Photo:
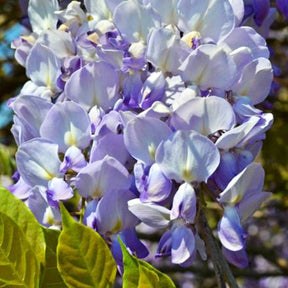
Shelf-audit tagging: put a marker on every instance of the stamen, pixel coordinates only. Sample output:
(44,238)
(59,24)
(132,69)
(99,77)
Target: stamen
(192,39)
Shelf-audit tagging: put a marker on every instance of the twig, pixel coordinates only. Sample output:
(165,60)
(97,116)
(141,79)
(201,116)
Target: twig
(208,273)
(222,269)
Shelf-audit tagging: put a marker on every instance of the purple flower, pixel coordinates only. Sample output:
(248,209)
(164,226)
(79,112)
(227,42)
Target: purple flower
(240,199)
(94,180)
(37,161)
(142,135)
(101,83)
(73,126)
(153,186)
(187,156)
(179,241)
(148,108)
(58,190)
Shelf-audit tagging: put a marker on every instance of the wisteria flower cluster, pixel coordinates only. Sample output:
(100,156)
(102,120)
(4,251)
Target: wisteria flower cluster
(142,107)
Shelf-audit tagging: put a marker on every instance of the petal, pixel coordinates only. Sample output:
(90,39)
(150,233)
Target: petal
(59,190)
(244,158)
(157,110)
(204,115)
(250,203)
(151,214)
(261,10)
(212,67)
(164,245)
(30,88)
(141,20)
(230,231)
(237,258)
(112,4)
(265,121)
(94,180)
(158,186)
(43,67)
(89,214)
(73,12)
(258,73)
(73,126)
(282,6)
(111,122)
(238,9)
(98,9)
(37,161)
(153,89)
(60,42)
(212,18)
(101,83)
(41,14)
(165,50)
(121,218)
(45,214)
(134,244)
(167,10)
(188,156)
(250,180)
(183,245)
(20,189)
(31,111)
(184,203)
(140,176)
(73,159)
(233,137)
(249,38)
(142,137)
(110,144)
(226,170)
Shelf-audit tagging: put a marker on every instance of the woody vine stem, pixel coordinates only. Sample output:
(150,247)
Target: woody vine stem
(223,272)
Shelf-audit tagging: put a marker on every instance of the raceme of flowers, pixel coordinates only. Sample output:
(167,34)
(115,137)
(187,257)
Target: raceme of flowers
(135,105)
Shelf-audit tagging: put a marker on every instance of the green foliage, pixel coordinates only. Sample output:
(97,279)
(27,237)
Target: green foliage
(138,273)
(19,265)
(274,154)
(50,274)
(25,219)
(6,162)
(84,259)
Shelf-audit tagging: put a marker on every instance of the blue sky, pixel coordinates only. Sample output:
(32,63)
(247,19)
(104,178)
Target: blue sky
(9,36)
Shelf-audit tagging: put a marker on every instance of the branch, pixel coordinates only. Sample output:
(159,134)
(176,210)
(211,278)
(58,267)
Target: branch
(222,269)
(208,273)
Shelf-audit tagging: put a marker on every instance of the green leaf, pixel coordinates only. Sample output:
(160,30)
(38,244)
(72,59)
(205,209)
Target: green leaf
(50,275)
(25,219)
(138,273)
(148,278)
(84,259)
(18,264)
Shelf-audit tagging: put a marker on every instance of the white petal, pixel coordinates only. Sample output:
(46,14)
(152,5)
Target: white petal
(187,156)
(41,14)
(151,214)
(37,161)
(250,179)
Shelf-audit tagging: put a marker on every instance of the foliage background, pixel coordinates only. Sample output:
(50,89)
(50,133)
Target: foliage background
(268,230)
